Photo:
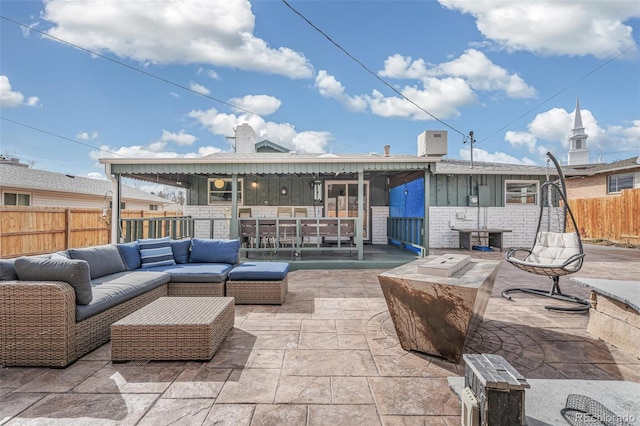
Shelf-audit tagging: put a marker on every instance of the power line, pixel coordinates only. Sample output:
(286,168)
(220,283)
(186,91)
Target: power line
(58,136)
(131,67)
(368,69)
(564,89)
(149,74)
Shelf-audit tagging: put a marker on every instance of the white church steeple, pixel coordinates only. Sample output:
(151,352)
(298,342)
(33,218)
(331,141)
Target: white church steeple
(578,151)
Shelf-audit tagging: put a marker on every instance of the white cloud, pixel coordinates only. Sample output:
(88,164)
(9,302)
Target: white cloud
(495,157)
(181,138)
(398,66)
(441,97)
(281,133)
(551,27)
(209,73)
(473,66)
(151,150)
(96,175)
(199,88)
(85,136)
(259,104)
(441,89)
(329,87)
(551,130)
(215,32)
(10,98)
(482,74)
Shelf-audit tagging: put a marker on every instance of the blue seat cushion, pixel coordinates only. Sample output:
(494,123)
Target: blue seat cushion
(259,271)
(195,272)
(111,290)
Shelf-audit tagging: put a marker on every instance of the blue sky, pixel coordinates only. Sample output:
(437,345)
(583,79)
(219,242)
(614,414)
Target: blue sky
(508,70)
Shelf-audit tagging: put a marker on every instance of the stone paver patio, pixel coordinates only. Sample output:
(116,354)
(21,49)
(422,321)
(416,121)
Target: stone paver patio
(327,356)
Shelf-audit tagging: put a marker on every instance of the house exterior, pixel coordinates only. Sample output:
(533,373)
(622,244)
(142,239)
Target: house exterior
(23,186)
(602,180)
(426,191)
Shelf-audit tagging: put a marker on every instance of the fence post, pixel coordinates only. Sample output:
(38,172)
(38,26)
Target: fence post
(67,228)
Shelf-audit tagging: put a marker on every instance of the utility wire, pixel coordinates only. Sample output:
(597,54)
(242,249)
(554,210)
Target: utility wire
(141,71)
(59,136)
(131,67)
(369,70)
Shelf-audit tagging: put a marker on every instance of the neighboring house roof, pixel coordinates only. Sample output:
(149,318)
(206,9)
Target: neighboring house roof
(32,179)
(632,163)
(268,146)
(463,167)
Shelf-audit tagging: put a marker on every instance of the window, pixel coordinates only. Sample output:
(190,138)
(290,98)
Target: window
(16,199)
(521,192)
(153,207)
(616,183)
(220,190)
(122,205)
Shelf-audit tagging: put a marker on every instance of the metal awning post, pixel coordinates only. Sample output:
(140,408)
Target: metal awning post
(233,224)
(360,222)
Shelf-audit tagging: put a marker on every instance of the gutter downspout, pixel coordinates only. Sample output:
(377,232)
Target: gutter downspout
(360,223)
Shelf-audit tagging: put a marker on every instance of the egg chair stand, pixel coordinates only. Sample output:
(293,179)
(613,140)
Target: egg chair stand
(555,252)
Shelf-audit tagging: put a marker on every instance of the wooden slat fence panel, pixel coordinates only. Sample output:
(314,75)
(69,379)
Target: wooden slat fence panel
(612,218)
(36,230)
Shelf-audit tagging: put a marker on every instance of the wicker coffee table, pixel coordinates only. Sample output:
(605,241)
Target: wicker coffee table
(173,328)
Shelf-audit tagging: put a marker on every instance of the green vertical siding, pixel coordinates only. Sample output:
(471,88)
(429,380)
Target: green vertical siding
(454,190)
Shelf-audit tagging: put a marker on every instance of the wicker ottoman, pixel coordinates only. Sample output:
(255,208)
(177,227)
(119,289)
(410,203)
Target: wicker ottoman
(258,283)
(173,328)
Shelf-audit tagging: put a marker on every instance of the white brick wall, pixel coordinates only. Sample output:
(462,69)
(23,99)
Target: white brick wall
(379,216)
(522,220)
(202,228)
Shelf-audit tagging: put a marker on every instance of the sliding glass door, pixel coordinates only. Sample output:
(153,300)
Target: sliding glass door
(341,200)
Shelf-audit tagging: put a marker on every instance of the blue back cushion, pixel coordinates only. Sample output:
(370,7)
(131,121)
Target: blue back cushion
(103,260)
(72,271)
(131,255)
(214,251)
(180,250)
(156,252)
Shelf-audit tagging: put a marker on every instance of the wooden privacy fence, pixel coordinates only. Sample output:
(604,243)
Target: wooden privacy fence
(612,218)
(37,230)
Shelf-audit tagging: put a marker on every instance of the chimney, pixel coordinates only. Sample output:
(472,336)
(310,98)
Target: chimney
(245,139)
(386,150)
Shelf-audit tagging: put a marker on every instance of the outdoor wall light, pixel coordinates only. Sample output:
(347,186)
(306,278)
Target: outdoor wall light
(317,190)
(218,183)
(284,190)
(254,184)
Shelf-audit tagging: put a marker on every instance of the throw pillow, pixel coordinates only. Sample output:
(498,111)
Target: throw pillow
(73,271)
(7,270)
(156,252)
(214,251)
(103,260)
(180,250)
(130,255)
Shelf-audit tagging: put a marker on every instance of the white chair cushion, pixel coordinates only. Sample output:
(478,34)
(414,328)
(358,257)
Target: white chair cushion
(554,248)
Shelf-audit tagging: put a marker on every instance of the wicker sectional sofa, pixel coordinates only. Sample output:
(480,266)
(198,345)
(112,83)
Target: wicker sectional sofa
(56,308)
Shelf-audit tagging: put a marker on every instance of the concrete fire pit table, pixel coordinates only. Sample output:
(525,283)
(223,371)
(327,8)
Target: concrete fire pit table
(436,303)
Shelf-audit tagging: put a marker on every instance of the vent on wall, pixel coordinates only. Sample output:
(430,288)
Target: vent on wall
(470,409)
